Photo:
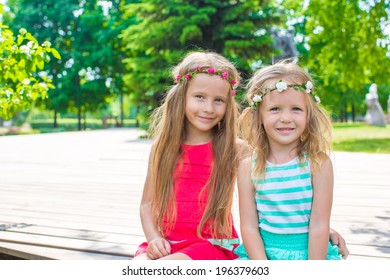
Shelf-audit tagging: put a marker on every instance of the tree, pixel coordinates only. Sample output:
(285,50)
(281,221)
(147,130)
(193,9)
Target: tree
(115,71)
(163,31)
(52,21)
(22,76)
(84,34)
(347,49)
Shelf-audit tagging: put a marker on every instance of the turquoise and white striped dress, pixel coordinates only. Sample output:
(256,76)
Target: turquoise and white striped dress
(284,199)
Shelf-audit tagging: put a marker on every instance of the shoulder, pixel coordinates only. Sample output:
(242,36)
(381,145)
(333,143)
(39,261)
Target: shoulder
(324,166)
(244,149)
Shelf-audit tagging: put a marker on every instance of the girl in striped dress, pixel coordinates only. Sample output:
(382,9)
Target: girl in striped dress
(285,204)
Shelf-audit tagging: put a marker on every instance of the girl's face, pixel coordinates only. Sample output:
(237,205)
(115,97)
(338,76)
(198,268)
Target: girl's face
(206,101)
(284,116)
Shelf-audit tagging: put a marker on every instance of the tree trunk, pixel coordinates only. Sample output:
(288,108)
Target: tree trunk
(136,119)
(85,118)
(55,123)
(121,109)
(79,117)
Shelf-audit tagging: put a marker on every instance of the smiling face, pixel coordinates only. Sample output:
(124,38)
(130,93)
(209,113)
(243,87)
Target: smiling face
(206,103)
(284,117)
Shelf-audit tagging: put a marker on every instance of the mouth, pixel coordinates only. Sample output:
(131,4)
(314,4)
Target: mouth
(205,118)
(285,129)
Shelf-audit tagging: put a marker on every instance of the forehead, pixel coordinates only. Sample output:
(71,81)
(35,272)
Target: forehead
(211,84)
(288,96)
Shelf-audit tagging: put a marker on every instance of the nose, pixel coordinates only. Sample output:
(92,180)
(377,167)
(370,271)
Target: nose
(208,107)
(285,117)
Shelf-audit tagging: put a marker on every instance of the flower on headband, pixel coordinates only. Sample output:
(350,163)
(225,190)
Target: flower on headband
(187,76)
(257,98)
(308,86)
(234,82)
(233,92)
(211,70)
(178,77)
(281,86)
(225,75)
(317,99)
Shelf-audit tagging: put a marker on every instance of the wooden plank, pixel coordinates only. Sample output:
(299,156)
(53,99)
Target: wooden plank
(100,227)
(83,216)
(376,252)
(100,247)
(33,252)
(90,235)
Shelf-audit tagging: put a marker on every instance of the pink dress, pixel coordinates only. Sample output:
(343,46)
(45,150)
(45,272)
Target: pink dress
(191,175)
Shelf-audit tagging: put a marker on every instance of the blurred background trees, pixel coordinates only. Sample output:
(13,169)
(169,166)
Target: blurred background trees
(22,76)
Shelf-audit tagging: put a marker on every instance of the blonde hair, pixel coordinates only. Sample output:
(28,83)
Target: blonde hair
(316,138)
(168,130)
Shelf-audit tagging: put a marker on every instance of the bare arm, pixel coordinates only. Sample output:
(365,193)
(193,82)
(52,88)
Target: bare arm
(320,215)
(248,213)
(157,246)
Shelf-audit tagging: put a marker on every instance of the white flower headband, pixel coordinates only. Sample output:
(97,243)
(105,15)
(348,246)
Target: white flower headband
(282,86)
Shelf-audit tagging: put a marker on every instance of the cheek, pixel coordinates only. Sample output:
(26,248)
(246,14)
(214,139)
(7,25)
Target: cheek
(305,119)
(222,109)
(266,123)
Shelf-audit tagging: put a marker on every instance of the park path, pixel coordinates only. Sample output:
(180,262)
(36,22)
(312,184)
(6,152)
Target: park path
(75,195)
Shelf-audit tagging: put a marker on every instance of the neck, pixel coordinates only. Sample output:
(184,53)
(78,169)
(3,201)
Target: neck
(280,154)
(197,139)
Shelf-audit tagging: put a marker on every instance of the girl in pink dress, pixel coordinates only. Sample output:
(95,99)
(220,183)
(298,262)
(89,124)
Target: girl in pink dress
(186,203)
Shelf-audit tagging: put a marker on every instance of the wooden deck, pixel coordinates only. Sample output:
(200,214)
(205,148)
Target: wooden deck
(76,196)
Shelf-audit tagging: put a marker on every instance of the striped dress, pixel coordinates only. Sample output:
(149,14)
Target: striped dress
(284,197)
(284,200)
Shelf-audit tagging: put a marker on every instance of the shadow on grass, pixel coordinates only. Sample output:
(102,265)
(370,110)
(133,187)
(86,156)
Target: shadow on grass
(369,145)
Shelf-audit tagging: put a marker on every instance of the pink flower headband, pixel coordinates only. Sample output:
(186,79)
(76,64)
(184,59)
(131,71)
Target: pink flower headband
(210,71)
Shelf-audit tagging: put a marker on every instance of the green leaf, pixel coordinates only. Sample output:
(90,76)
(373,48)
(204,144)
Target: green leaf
(55,53)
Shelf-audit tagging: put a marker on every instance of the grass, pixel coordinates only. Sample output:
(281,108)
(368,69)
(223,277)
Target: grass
(355,137)
(64,124)
(359,137)
(68,124)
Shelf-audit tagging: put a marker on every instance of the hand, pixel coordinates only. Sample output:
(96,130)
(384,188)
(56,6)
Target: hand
(338,240)
(158,248)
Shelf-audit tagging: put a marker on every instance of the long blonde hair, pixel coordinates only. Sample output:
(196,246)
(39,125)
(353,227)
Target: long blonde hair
(168,130)
(316,138)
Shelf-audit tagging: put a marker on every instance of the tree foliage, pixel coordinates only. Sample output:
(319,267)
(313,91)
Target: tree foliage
(22,76)
(347,48)
(163,31)
(53,21)
(86,36)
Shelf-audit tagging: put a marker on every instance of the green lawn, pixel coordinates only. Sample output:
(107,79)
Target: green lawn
(68,124)
(361,138)
(356,137)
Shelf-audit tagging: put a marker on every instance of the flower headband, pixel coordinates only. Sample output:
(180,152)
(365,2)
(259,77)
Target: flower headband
(210,71)
(282,86)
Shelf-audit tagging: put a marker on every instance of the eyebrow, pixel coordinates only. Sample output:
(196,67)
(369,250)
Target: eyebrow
(202,92)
